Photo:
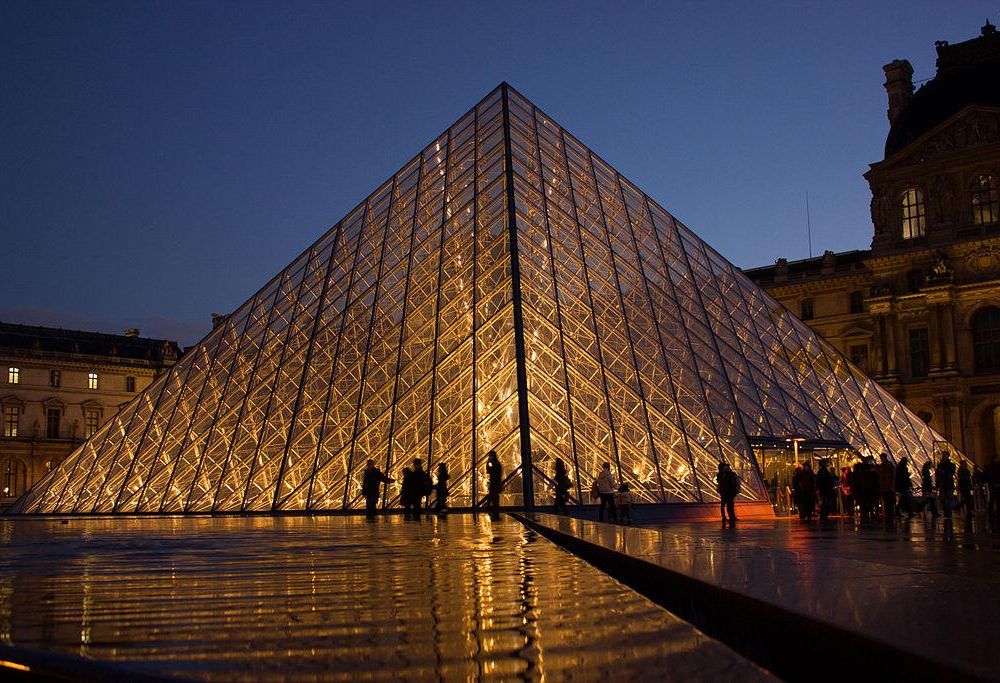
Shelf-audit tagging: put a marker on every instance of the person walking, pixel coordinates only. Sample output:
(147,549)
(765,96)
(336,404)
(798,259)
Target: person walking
(904,487)
(887,486)
(965,498)
(606,487)
(494,483)
(562,486)
(826,484)
(945,476)
(992,476)
(623,503)
(727,486)
(441,489)
(371,487)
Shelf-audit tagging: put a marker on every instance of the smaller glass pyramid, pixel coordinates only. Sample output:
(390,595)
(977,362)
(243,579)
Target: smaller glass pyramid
(507,289)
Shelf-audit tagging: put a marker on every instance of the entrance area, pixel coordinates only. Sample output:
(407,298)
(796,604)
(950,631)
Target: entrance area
(779,456)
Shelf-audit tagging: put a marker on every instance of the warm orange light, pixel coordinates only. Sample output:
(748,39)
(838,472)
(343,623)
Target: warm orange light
(14,665)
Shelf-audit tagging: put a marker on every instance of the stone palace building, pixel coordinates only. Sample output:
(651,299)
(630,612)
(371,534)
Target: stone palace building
(920,310)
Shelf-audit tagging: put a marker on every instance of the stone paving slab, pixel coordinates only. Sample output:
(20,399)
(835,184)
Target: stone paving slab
(336,598)
(918,589)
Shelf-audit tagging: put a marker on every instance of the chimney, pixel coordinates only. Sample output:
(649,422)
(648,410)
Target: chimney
(132,332)
(218,319)
(899,86)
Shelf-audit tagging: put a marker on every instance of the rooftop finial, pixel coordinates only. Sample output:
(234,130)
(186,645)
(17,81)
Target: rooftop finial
(988,29)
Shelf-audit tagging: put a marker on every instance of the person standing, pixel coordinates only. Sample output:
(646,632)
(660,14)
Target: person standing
(992,476)
(847,491)
(826,483)
(727,486)
(409,494)
(494,483)
(623,503)
(945,475)
(965,490)
(606,487)
(904,487)
(441,489)
(807,492)
(927,486)
(562,487)
(371,486)
(887,486)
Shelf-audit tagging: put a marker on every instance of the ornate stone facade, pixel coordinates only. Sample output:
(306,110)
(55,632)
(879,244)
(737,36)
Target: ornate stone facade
(920,311)
(58,386)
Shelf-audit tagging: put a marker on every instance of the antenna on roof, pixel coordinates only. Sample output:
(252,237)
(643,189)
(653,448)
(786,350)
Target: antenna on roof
(809,231)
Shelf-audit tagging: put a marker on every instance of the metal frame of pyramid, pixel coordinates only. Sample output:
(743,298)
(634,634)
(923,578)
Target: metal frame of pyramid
(507,289)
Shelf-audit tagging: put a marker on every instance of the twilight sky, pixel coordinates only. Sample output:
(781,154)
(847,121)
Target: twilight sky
(161,160)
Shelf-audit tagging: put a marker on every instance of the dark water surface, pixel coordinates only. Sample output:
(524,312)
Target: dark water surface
(336,598)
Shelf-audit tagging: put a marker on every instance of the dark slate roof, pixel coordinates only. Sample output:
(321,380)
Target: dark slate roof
(845,262)
(54,341)
(968,73)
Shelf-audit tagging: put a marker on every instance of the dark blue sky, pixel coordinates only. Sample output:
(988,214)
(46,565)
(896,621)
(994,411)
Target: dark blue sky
(161,160)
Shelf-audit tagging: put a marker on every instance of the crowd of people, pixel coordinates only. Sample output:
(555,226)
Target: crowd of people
(873,489)
(869,489)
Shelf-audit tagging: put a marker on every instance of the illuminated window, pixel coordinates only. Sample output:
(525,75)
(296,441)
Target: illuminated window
(130,384)
(55,378)
(986,339)
(806,309)
(985,200)
(857,302)
(14,375)
(920,356)
(913,213)
(859,355)
(13,478)
(91,421)
(92,380)
(11,418)
(52,416)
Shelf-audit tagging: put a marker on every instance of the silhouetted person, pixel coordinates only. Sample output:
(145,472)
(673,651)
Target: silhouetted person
(945,476)
(796,490)
(887,486)
(425,485)
(847,491)
(494,482)
(623,504)
(904,487)
(441,489)
(807,492)
(727,486)
(866,487)
(826,484)
(927,486)
(409,493)
(606,487)
(992,476)
(965,490)
(562,487)
(371,487)
(772,489)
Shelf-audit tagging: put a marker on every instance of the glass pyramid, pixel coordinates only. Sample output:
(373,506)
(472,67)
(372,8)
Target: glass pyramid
(507,289)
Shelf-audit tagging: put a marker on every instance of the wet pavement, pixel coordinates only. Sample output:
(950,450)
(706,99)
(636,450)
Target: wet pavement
(928,589)
(336,598)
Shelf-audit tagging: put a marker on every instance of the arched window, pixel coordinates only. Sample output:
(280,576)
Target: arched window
(985,200)
(914,213)
(13,478)
(986,339)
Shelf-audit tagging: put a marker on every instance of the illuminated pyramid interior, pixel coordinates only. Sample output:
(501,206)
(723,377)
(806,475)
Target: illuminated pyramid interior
(506,289)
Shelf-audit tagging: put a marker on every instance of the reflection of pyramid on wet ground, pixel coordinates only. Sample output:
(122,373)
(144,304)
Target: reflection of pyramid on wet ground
(506,289)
